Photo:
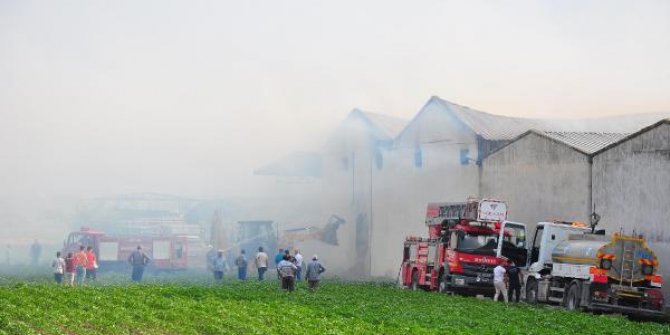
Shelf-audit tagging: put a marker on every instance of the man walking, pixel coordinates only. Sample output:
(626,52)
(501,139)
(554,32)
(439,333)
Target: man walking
(514,275)
(261,263)
(241,263)
(81,261)
(58,264)
(313,274)
(286,270)
(298,264)
(219,266)
(499,282)
(138,260)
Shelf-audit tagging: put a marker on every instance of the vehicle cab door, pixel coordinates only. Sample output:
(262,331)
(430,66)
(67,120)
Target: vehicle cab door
(512,242)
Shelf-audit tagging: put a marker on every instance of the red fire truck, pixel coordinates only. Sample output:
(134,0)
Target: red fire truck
(465,242)
(168,251)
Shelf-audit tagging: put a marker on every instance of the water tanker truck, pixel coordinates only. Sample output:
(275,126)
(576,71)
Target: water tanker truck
(572,265)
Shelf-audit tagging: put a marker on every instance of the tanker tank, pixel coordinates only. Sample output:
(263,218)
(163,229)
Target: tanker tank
(625,258)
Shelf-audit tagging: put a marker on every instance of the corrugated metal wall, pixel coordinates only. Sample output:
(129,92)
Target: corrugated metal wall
(631,190)
(540,179)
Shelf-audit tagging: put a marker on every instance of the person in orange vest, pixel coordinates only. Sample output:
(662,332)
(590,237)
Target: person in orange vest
(91,264)
(81,260)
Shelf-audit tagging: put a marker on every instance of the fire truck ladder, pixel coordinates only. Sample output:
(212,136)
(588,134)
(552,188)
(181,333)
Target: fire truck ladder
(627,261)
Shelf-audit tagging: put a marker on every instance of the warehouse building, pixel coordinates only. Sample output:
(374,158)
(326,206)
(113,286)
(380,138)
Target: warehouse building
(442,155)
(544,175)
(380,172)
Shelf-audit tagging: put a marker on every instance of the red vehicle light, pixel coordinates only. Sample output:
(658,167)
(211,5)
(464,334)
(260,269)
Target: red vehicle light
(599,279)
(655,298)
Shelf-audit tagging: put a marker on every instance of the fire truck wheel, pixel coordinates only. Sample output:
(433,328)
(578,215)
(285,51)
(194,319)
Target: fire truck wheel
(571,301)
(415,280)
(531,292)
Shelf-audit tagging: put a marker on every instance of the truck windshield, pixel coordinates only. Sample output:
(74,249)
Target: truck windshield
(477,243)
(78,239)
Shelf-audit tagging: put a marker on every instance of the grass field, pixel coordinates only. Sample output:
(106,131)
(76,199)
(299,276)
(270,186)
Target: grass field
(261,308)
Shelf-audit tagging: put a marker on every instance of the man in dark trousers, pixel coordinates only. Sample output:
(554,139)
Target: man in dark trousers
(314,271)
(514,277)
(138,259)
(286,270)
(242,264)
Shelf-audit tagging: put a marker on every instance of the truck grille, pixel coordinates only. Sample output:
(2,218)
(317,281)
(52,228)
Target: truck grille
(470,269)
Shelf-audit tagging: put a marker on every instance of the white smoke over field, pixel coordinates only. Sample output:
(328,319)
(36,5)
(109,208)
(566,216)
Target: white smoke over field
(109,99)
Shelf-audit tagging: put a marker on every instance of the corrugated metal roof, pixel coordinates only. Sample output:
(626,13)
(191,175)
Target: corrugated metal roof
(587,142)
(498,127)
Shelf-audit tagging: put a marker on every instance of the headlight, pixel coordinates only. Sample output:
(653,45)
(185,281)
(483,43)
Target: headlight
(606,264)
(647,269)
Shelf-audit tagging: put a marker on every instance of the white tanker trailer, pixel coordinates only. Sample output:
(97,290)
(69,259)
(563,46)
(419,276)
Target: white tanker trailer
(570,265)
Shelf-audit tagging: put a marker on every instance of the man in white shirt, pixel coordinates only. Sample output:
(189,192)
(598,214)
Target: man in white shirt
(58,264)
(499,282)
(261,263)
(298,264)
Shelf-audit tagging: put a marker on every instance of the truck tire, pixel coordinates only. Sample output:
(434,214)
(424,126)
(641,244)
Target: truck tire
(531,291)
(415,280)
(572,301)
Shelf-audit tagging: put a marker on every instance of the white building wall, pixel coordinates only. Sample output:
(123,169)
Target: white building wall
(632,190)
(401,190)
(540,180)
(348,159)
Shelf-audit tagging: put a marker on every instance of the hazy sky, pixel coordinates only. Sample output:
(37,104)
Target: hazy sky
(187,97)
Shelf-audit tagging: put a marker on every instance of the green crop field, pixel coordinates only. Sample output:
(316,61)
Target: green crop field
(261,308)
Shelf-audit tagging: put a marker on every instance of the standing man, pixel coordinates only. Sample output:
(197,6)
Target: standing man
(91,263)
(298,264)
(286,270)
(261,263)
(138,259)
(499,282)
(219,266)
(241,263)
(81,262)
(35,251)
(279,257)
(58,264)
(70,268)
(514,275)
(313,274)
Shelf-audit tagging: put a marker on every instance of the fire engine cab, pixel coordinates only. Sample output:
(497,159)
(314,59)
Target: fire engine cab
(465,242)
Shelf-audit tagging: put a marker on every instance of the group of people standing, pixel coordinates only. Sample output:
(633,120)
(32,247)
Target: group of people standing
(75,267)
(289,267)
